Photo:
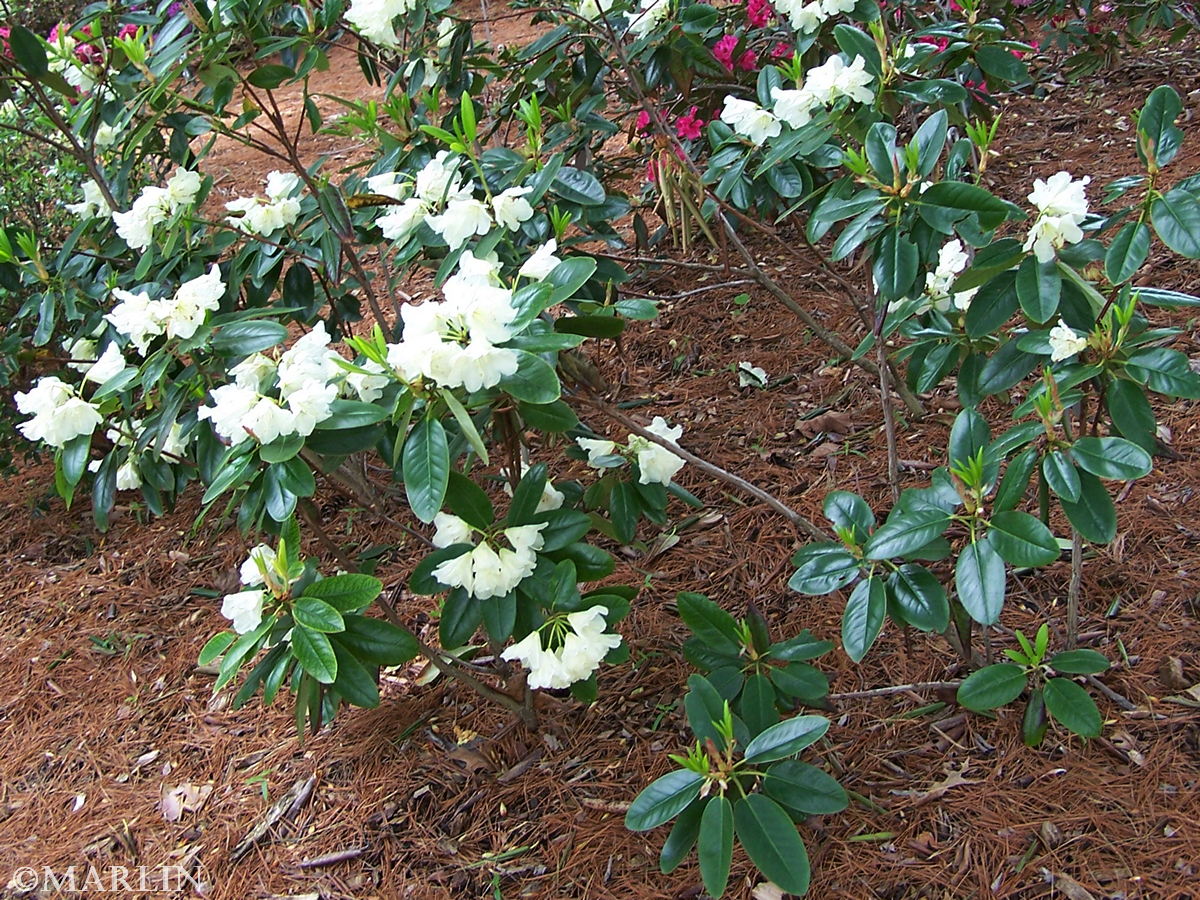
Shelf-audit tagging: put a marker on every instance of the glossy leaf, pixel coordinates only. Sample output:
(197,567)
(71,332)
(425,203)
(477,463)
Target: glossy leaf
(714,846)
(663,799)
(992,686)
(1072,707)
(770,839)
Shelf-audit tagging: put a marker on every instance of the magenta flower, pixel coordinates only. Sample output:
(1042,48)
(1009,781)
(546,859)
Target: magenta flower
(723,50)
(781,50)
(748,61)
(688,126)
(759,12)
(642,125)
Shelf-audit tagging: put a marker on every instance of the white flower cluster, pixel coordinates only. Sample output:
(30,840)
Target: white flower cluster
(823,86)
(449,207)
(648,15)
(595,9)
(280,209)
(128,477)
(93,205)
(952,260)
(1062,205)
(453,341)
(552,497)
(374,19)
(584,645)
(155,205)
(304,377)
(59,413)
(142,320)
(485,571)
(656,464)
(807,17)
(95,369)
(1064,342)
(245,608)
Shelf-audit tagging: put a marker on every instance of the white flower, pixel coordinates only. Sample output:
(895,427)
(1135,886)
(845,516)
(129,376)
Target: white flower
(750,376)
(386,183)
(438,181)
(93,205)
(445,32)
(46,396)
(73,418)
(750,120)
(492,577)
(136,226)
(511,208)
(1060,196)
(267,420)
(584,646)
(368,386)
(833,7)
(244,609)
(308,361)
(596,449)
(310,405)
(134,317)
(186,311)
(458,572)
(525,538)
(552,497)
(1062,205)
(231,405)
(260,559)
(253,372)
(852,81)
(452,342)
(656,463)
(545,666)
(648,14)
(59,416)
(176,443)
(803,17)
(83,350)
(106,136)
(450,530)
(281,185)
(793,107)
(594,9)
(373,19)
(475,270)
(110,363)
(1064,342)
(430,71)
(952,260)
(182,188)
(462,219)
(128,478)
(401,221)
(542,263)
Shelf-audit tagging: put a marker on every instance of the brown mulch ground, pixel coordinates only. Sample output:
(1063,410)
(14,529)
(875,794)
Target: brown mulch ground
(435,796)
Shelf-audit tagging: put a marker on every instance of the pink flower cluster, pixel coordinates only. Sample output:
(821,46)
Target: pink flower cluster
(759,12)
(687,127)
(724,49)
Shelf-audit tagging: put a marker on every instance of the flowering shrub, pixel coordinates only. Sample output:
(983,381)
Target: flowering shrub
(224,342)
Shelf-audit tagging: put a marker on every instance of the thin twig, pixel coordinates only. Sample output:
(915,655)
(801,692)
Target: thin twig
(705,466)
(1073,589)
(898,689)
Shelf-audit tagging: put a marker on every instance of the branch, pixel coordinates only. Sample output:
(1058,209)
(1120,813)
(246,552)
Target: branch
(704,466)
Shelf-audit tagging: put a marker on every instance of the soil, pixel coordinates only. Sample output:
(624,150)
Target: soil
(114,751)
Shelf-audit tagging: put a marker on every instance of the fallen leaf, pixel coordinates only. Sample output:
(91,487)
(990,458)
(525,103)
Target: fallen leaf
(1071,888)
(767,890)
(184,798)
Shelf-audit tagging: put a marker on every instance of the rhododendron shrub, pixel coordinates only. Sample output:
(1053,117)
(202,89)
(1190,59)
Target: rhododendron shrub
(264,347)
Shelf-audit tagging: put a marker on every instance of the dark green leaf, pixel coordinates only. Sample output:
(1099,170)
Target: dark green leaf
(822,568)
(1061,475)
(919,598)
(715,845)
(992,686)
(1111,457)
(663,799)
(1079,662)
(377,642)
(1127,252)
(357,685)
(1094,516)
(686,830)
(1039,286)
(772,842)
(1022,539)
(804,788)
(906,531)
(979,579)
(787,738)
(461,615)
(863,618)
(315,654)
(1072,707)
(426,468)
(708,621)
(347,592)
(1176,218)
